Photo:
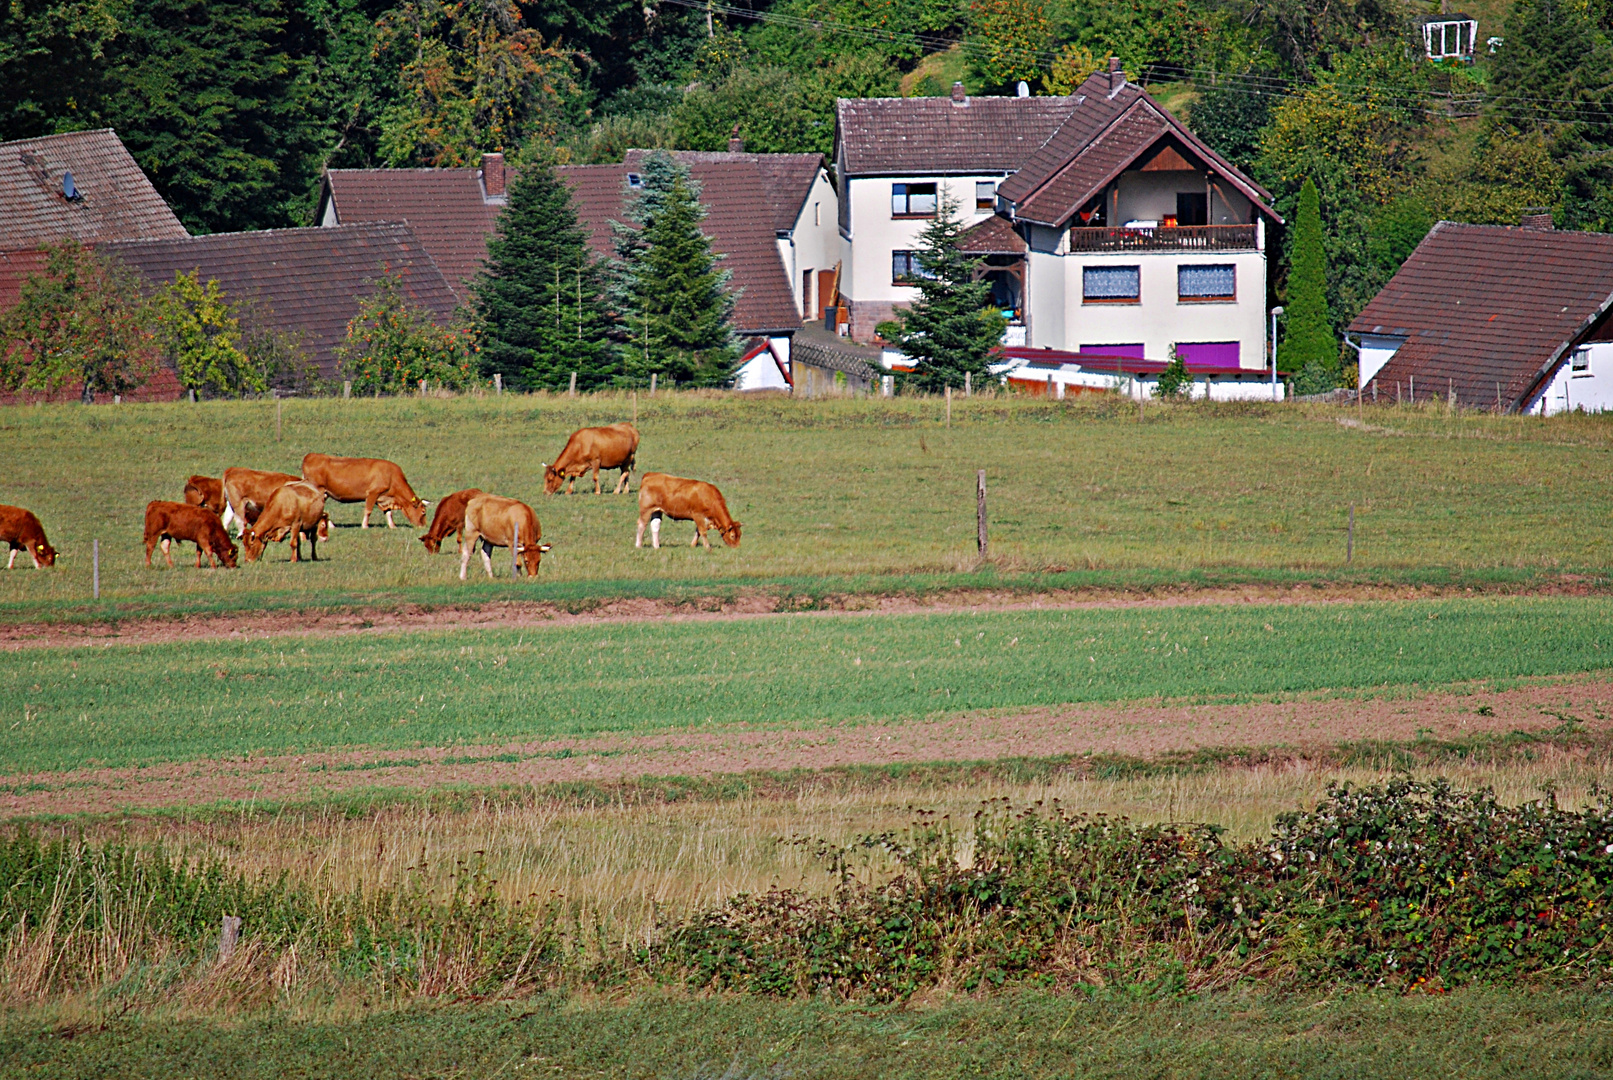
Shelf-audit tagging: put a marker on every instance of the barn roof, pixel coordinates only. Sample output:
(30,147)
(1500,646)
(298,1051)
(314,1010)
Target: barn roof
(786,178)
(306,283)
(447,209)
(935,135)
(1490,310)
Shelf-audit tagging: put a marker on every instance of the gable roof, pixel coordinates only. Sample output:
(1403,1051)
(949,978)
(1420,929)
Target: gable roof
(116,201)
(787,178)
(1487,306)
(306,283)
(1105,134)
(446,208)
(993,236)
(733,192)
(936,135)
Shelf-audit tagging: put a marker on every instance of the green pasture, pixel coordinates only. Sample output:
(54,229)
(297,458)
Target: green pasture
(854,489)
(140,705)
(1515,1034)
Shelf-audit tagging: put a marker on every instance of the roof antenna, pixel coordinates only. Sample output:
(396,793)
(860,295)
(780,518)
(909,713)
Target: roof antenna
(70,189)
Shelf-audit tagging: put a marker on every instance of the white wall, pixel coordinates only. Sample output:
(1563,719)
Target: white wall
(761,372)
(814,244)
(875,234)
(1590,389)
(1375,352)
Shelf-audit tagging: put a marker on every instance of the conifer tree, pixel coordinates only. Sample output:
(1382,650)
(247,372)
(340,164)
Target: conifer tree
(538,301)
(952,328)
(1308,346)
(674,309)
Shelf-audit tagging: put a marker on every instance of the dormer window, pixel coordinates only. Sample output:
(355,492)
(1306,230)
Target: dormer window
(913,200)
(634,180)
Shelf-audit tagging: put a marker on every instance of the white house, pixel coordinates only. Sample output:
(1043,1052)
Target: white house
(1106,227)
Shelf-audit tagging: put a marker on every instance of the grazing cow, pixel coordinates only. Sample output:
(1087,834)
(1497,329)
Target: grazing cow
(371,481)
(595,448)
(169,521)
(450,518)
(207,493)
(495,521)
(683,500)
(248,490)
(294,510)
(21,531)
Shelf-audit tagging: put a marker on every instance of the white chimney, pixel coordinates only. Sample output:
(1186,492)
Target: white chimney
(1024,89)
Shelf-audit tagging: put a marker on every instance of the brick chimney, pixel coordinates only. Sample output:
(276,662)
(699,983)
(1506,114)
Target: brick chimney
(493,174)
(1537,217)
(958,96)
(736,145)
(1117,77)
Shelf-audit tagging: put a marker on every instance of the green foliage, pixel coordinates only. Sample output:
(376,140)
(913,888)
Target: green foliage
(82,321)
(1308,345)
(1510,172)
(1009,39)
(1396,230)
(538,301)
(391,345)
(50,55)
(674,308)
(200,337)
(1174,381)
(1231,115)
(951,329)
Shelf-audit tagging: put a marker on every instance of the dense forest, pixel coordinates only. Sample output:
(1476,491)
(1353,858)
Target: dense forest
(234,107)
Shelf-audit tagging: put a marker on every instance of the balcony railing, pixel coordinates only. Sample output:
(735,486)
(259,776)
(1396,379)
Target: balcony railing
(1161,238)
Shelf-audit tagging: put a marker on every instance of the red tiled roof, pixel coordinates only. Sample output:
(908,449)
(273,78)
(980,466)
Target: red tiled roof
(116,201)
(993,236)
(935,135)
(732,192)
(445,208)
(304,282)
(787,178)
(1487,306)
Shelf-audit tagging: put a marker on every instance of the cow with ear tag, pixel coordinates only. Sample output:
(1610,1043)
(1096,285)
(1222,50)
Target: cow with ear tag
(493,521)
(613,447)
(20,530)
(660,495)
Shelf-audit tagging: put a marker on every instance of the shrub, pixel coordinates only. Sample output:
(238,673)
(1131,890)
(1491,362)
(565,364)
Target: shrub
(391,345)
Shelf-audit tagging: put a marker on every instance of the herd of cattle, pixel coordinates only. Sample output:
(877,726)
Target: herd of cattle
(271,507)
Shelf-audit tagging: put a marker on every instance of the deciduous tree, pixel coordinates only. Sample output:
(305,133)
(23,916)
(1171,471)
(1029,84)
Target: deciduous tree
(196,328)
(391,345)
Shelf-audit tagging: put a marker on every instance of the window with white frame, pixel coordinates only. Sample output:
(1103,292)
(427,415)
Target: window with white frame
(1207,282)
(912,200)
(1580,362)
(1111,284)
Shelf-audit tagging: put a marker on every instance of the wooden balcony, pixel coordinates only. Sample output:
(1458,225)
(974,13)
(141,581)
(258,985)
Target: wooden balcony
(1178,238)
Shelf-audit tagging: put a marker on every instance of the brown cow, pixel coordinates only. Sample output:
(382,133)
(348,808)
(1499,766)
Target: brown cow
(21,531)
(207,493)
(595,448)
(495,521)
(169,521)
(295,510)
(683,500)
(371,481)
(450,518)
(244,488)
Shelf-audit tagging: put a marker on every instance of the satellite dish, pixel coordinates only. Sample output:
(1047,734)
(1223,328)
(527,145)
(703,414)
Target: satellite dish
(69,189)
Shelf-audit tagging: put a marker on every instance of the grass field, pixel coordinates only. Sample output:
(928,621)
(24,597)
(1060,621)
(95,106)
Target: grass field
(839,488)
(73,707)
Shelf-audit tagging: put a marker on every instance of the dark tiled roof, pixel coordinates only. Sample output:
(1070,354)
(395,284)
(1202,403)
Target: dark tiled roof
(303,282)
(830,358)
(934,135)
(1102,137)
(1483,306)
(116,201)
(732,192)
(787,178)
(445,207)
(993,236)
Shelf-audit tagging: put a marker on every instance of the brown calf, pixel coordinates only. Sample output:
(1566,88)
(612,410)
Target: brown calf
(450,518)
(169,521)
(683,500)
(20,530)
(495,521)
(247,491)
(371,481)
(207,493)
(295,510)
(613,447)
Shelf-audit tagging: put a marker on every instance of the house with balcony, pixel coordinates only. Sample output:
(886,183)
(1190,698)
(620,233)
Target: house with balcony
(1112,236)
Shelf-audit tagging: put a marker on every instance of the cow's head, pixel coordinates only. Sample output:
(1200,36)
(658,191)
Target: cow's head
(322,530)
(730,535)
(433,543)
(252,543)
(531,556)
(229,555)
(43,554)
(552,479)
(414,509)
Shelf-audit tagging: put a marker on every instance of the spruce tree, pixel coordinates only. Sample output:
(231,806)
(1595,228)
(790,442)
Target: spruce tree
(1308,347)
(538,301)
(675,313)
(952,328)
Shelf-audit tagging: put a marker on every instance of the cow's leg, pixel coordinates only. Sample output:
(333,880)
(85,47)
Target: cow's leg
(389,522)
(638,540)
(369,505)
(655,530)
(12,558)
(167,552)
(150,544)
(487,560)
(466,544)
(229,516)
(313,544)
(596,476)
(199,555)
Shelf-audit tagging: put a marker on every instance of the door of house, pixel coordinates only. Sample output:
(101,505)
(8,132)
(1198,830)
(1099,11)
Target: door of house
(826,284)
(807,306)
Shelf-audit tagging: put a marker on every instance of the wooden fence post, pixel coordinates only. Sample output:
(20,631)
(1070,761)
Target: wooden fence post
(968,388)
(229,936)
(572,391)
(498,383)
(949,404)
(277,418)
(347,389)
(1349,539)
(652,384)
(95,557)
(980,513)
